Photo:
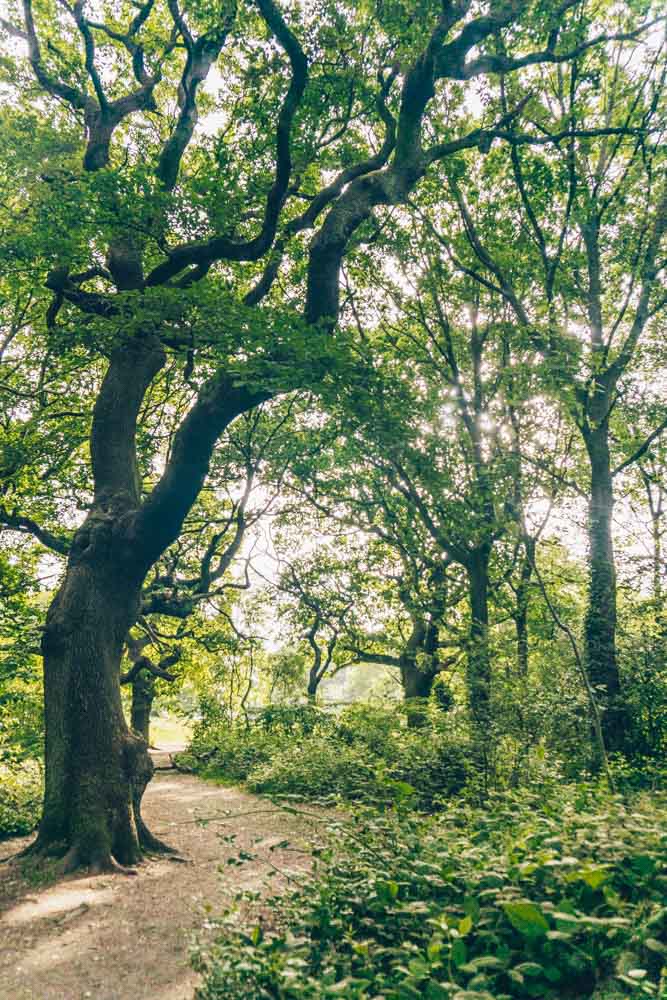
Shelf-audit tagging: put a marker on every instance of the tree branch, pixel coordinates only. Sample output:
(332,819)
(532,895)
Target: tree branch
(26,525)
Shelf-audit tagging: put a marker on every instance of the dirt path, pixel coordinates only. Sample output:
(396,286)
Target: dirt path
(116,937)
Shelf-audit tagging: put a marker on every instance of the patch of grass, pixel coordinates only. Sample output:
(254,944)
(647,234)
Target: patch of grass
(170,731)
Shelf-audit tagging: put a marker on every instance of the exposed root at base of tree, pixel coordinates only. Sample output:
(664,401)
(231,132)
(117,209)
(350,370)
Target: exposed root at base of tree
(151,843)
(73,857)
(104,864)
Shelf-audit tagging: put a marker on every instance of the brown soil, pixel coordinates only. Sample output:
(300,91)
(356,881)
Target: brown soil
(116,937)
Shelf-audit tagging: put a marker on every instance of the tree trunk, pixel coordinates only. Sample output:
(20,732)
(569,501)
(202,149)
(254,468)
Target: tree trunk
(521,608)
(600,623)
(313,684)
(479,662)
(478,675)
(96,769)
(657,559)
(417,678)
(143,695)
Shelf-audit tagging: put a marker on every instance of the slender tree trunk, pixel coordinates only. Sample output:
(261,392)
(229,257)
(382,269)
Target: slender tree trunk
(313,685)
(479,660)
(143,695)
(600,623)
(478,675)
(656,534)
(657,563)
(521,608)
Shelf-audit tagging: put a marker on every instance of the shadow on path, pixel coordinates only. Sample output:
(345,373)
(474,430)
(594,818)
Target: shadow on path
(113,937)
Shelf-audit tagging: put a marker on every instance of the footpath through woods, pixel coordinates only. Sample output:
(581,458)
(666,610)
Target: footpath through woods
(114,937)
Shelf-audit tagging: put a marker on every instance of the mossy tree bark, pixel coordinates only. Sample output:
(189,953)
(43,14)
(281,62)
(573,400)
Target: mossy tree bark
(419,667)
(143,696)
(601,615)
(96,767)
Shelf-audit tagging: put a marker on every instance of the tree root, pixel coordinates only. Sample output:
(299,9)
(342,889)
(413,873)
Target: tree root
(103,864)
(39,848)
(151,843)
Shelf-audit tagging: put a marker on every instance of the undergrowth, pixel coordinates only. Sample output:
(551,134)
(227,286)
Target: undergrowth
(365,754)
(20,798)
(564,897)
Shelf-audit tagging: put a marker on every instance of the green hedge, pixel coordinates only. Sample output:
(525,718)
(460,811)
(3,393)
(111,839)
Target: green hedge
(364,754)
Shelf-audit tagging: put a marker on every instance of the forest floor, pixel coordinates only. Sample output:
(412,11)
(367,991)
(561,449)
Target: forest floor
(116,937)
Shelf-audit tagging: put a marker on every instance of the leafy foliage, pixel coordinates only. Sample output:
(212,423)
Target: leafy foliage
(364,754)
(526,898)
(20,798)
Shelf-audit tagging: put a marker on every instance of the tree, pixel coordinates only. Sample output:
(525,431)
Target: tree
(583,278)
(142,676)
(318,595)
(145,248)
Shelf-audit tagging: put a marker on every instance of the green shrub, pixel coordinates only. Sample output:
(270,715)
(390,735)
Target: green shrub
(20,798)
(229,750)
(317,767)
(292,718)
(416,765)
(369,725)
(566,899)
(365,754)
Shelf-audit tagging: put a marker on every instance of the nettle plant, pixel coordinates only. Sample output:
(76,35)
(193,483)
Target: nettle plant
(521,900)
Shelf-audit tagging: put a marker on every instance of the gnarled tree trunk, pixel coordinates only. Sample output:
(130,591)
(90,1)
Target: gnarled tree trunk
(94,765)
(418,674)
(96,768)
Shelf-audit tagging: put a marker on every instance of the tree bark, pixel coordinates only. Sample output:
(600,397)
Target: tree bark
(600,623)
(94,765)
(143,695)
(521,607)
(96,768)
(313,684)
(417,677)
(479,661)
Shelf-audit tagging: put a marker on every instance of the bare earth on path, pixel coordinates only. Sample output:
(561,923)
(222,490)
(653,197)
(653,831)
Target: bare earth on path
(116,937)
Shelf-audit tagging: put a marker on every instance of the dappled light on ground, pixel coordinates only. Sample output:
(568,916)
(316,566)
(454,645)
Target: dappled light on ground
(64,901)
(112,937)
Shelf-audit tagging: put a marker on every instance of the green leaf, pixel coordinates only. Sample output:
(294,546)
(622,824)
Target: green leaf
(529,969)
(434,948)
(419,968)
(594,877)
(459,952)
(643,864)
(527,918)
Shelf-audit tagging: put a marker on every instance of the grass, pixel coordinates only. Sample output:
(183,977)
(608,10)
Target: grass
(170,731)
